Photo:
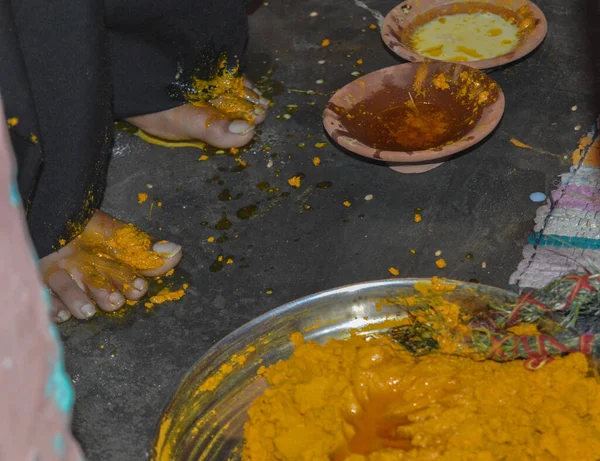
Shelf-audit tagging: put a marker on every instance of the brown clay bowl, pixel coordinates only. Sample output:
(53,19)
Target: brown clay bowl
(403,19)
(465,88)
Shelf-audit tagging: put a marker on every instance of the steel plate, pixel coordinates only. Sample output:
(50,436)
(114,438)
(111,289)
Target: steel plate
(208,425)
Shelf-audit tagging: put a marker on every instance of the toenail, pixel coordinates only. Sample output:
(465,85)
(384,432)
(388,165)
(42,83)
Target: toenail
(253,99)
(116,299)
(264,101)
(167,249)
(63,316)
(257,91)
(259,111)
(240,127)
(88,310)
(139,284)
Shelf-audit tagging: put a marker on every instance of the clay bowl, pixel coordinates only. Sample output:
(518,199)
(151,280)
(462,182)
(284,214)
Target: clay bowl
(402,20)
(393,88)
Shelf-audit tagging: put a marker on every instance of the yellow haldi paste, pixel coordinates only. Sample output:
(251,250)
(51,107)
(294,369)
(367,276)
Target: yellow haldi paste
(133,247)
(166,295)
(466,37)
(363,399)
(226,92)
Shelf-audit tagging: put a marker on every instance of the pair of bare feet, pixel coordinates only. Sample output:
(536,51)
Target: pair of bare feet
(88,273)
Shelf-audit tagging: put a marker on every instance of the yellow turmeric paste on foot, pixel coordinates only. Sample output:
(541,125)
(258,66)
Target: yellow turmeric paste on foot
(226,92)
(363,399)
(133,247)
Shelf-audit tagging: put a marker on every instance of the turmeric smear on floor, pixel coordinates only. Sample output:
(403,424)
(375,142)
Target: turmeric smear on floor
(520,144)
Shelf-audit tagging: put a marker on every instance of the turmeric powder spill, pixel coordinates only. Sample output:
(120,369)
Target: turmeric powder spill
(236,360)
(142,197)
(441,263)
(367,398)
(295,181)
(165,295)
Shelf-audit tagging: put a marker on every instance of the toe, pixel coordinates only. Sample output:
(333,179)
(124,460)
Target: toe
(207,124)
(105,294)
(60,313)
(250,109)
(256,98)
(71,295)
(256,94)
(264,102)
(108,300)
(171,254)
(251,95)
(128,283)
(261,114)
(137,289)
(237,108)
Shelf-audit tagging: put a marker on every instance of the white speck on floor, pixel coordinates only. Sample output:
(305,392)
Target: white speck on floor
(120,145)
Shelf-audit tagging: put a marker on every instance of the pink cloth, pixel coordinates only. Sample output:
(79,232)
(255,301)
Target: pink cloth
(36,395)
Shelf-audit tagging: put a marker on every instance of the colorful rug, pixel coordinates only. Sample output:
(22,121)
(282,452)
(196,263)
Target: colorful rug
(566,236)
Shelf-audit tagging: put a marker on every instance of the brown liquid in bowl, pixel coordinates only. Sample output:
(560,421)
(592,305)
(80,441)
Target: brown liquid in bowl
(390,121)
(435,110)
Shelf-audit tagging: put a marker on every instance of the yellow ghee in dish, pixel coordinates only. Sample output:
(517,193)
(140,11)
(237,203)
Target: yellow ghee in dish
(466,37)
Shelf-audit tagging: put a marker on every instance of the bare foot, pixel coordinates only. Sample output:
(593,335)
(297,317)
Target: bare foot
(210,124)
(103,267)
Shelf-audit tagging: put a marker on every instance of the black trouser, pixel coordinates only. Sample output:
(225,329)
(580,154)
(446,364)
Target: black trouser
(67,67)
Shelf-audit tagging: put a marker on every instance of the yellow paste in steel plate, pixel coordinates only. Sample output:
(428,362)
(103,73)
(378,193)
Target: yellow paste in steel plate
(368,399)
(466,37)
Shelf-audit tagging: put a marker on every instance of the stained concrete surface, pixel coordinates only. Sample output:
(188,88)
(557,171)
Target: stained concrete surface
(125,369)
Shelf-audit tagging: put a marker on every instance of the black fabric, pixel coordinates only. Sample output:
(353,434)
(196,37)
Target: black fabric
(63,48)
(166,41)
(69,66)
(18,103)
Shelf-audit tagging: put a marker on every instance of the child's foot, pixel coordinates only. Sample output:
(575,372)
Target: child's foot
(209,124)
(104,267)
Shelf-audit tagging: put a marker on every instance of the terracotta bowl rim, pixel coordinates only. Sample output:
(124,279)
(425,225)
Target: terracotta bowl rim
(420,156)
(529,45)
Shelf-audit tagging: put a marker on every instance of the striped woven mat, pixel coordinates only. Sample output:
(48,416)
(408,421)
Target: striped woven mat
(566,236)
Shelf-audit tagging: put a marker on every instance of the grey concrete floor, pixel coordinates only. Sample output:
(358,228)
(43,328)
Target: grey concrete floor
(126,369)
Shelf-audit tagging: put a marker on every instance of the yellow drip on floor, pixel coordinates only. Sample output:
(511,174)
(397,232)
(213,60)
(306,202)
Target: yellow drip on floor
(163,142)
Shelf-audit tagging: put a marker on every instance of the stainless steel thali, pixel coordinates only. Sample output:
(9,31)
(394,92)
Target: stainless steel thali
(208,425)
